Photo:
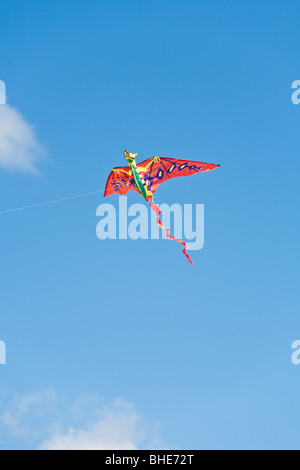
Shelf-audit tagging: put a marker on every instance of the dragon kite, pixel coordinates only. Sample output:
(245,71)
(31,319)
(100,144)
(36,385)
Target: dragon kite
(145,178)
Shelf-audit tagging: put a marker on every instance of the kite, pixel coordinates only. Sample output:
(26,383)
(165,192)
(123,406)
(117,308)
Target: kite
(145,177)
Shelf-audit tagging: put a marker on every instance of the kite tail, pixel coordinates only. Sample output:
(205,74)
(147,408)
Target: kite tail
(157,211)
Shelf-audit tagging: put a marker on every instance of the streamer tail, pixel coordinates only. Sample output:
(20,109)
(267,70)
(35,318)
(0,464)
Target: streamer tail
(157,211)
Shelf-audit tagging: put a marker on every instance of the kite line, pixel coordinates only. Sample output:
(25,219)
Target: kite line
(52,202)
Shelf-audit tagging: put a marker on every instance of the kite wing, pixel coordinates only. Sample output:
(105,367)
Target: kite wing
(120,181)
(158,170)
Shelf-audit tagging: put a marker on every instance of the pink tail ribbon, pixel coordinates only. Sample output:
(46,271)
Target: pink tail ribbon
(157,211)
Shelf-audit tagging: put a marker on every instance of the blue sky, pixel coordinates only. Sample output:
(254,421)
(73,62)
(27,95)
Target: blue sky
(104,333)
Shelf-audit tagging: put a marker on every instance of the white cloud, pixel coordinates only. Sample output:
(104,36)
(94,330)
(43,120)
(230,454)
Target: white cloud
(119,428)
(19,149)
(44,421)
(23,410)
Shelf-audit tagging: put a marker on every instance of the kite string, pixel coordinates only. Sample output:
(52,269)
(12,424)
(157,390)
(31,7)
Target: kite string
(52,202)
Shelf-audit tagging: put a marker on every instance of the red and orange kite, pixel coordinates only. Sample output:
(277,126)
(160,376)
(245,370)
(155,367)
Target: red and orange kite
(145,178)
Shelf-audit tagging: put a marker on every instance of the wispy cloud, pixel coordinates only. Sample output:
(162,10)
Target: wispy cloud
(44,421)
(19,148)
(23,411)
(119,427)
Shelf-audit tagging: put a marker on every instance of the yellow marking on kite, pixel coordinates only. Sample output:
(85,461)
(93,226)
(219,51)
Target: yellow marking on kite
(146,168)
(117,170)
(172,168)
